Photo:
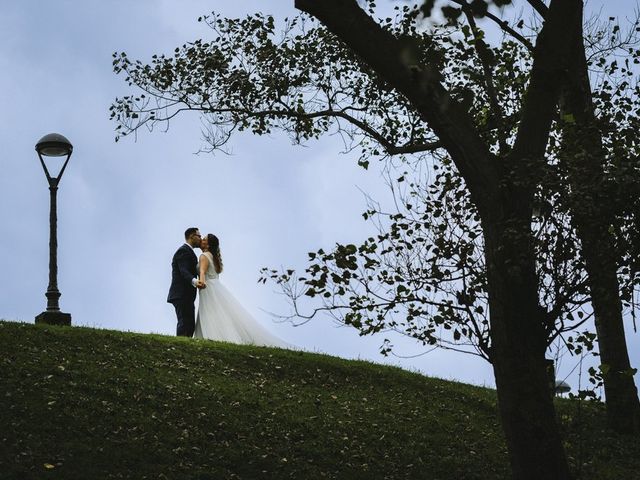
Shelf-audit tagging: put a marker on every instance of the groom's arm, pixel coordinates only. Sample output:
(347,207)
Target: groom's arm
(183,261)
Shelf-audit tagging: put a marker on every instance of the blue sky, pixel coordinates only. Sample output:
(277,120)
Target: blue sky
(123,206)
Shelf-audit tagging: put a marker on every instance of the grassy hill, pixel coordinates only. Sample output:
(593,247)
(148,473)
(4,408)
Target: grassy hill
(79,403)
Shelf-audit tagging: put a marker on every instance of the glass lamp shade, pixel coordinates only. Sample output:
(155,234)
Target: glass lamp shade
(54,145)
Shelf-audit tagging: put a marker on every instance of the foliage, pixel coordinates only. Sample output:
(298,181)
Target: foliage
(424,275)
(302,81)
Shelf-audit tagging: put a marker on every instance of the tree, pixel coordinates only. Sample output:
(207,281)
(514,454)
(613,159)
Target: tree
(586,160)
(384,90)
(585,169)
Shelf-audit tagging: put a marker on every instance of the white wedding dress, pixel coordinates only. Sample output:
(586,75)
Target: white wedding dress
(221,317)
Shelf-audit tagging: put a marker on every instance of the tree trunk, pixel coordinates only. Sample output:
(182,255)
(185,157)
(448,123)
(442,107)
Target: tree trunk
(585,159)
(623,407)
(518,345)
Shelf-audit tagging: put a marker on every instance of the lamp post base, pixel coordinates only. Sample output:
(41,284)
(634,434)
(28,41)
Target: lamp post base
(54,318)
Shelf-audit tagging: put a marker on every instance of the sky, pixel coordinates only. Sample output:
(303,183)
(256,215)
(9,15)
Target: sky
(123,207)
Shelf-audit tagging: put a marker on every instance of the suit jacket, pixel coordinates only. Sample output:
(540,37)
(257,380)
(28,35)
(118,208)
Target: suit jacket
(184,268)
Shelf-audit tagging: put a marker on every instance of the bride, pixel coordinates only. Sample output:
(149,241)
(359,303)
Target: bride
(220,315)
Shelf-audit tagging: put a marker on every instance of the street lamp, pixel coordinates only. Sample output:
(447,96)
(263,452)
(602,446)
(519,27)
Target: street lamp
(53,145)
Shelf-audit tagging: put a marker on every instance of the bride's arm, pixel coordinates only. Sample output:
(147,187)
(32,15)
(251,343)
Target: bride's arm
(204,264)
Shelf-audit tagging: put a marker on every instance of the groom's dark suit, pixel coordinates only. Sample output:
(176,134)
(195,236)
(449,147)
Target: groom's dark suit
(182,293)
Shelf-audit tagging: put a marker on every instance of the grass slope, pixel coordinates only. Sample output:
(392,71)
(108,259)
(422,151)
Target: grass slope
(79,403)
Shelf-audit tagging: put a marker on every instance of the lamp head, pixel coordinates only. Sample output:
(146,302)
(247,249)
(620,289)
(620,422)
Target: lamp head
(54,145)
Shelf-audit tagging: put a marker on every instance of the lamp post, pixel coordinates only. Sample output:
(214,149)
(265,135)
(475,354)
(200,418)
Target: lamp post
(53,145)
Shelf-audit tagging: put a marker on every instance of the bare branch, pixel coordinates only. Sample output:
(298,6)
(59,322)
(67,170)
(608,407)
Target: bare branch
(504,26)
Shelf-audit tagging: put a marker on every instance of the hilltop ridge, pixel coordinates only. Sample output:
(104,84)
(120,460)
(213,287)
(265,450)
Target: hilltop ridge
(86,403)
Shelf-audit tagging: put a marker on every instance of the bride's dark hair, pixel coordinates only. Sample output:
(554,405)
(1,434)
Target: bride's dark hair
(214,248)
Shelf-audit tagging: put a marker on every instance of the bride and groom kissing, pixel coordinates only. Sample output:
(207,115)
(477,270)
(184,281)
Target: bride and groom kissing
(220,316)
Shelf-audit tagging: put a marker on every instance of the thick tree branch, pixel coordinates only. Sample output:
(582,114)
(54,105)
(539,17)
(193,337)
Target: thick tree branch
(540,7)
(389,147)
(550,57)
(421,83)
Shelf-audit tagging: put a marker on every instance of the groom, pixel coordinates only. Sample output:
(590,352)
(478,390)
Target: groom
(184,282)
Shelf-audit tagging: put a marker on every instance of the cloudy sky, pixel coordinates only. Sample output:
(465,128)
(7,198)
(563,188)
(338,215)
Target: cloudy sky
(124,206)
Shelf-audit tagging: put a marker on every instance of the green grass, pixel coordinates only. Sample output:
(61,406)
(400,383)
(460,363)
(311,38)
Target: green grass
(80,403)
